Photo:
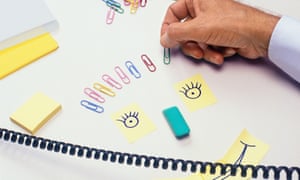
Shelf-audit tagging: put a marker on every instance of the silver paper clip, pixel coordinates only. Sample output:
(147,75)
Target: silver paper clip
(91,106)
(104,89)
(122,75)
(94,95)
(167,56)
(132,69)
(110,16)
(149,64)
(113,83)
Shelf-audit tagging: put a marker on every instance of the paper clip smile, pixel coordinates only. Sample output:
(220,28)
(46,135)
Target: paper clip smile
(91,106)
(132,69)
(110,16)
(94,95)
(113,83)
(122,75)
(104,89)
(149,64)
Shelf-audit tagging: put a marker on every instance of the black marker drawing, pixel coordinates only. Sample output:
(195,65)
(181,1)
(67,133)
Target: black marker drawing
(192,91)
(130,120)
(237,162)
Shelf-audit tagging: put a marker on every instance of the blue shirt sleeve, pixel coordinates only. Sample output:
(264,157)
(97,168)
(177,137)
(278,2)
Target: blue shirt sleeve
(284,47)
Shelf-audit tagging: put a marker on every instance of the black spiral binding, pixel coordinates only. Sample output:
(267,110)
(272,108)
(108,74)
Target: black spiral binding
(148,161)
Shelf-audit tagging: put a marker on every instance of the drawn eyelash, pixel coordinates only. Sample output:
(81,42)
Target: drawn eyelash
(130,120)
(192,91)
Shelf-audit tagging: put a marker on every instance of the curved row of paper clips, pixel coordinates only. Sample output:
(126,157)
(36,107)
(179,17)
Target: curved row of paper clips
(94,93)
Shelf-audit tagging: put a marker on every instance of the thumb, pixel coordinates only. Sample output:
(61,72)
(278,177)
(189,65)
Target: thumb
(177,33)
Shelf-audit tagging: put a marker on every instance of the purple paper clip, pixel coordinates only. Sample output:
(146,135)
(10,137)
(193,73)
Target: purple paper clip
(113,83)
(94,95)
(122,75)
(143,3)
(149,64)
(91,106)
(110,16)
(132,69)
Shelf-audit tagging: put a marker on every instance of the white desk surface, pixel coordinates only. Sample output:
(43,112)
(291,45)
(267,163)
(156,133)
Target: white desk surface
(250,94)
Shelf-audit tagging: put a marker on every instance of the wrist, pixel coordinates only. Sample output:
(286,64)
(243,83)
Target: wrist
(261,27)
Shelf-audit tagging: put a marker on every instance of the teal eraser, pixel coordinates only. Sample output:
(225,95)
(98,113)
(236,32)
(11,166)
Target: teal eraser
(177,122)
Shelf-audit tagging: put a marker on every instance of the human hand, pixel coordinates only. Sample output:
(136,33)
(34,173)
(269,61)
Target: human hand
(214,29)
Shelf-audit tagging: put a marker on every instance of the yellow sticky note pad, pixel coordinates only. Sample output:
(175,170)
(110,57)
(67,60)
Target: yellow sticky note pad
(195,93)
(35,112)
(18,56)
(133,122)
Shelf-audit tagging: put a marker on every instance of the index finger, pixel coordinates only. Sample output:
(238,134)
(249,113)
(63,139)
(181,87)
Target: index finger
(175,13)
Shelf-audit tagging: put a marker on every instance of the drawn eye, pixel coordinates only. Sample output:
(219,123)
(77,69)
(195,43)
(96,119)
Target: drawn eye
(130,120)
(192,91)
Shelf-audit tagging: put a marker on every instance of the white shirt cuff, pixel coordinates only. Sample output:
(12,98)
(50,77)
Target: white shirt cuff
(284,47)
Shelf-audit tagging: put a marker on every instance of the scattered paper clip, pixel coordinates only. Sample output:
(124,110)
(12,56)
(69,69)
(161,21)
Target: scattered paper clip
(94,95)
(149,64)
(113,83)
(91,106)
(132,69)
(122,75)
(116,6)
(134,6)
(127,2)
(110,16)
(167,56)
(104,89)
(143,3)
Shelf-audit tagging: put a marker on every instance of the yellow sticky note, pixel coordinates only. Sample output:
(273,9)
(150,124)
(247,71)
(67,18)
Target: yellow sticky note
(195,93)
(245,150)
(35,112)
(18,56)
(133,122)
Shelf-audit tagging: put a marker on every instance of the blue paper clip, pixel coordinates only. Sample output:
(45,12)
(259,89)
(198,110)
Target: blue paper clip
(132,69)
(167,56)
(116,6)
(149,64)
(91,106)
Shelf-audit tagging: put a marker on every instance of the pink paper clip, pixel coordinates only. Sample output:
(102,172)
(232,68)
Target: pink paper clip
(113,83)
(94,95)
(122,75)
(110,16)
(143,3)
(149,64)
